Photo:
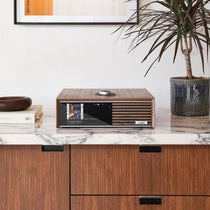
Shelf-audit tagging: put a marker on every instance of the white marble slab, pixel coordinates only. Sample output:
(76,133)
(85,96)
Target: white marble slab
(168,130)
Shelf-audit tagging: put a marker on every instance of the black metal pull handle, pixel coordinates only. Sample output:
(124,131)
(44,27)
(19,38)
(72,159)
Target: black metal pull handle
(52,148)
(150,201)
(150,149)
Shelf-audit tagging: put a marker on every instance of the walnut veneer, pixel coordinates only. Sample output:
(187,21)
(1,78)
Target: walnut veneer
(106,177)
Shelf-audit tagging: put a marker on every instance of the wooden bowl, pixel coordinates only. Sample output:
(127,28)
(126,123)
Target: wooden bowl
(14,103)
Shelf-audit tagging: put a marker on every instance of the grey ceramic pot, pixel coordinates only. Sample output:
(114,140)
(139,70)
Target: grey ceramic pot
(190,97)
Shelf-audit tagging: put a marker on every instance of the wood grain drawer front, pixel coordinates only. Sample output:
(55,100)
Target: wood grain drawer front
(133,203)
(32,179)
(188,170)
(123,170)
(109,169)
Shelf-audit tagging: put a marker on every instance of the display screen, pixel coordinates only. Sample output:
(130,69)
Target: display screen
(74,111)
(85,114)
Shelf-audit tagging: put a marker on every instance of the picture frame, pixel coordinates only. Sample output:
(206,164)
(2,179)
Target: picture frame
(75,12)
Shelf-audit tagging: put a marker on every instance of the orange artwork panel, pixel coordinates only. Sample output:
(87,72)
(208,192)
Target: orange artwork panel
(38,7)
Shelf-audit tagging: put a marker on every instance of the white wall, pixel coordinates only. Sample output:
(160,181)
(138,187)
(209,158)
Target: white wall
(38,61)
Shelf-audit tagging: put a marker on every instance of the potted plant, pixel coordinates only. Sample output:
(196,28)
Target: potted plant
(182,24)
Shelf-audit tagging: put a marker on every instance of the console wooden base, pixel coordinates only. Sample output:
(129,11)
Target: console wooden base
(110,177)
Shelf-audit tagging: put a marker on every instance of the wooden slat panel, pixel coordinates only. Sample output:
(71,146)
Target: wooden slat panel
(131,103)
(133,109)
(131,120)
(130,110)
(130,116)
(129,113)
(130,107)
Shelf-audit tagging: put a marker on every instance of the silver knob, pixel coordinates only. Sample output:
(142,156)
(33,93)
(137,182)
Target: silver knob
(105,93)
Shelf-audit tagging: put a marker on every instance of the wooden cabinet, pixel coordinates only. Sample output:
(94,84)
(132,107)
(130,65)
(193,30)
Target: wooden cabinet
(125,170)
(33,180)
(133,203)
(105,177)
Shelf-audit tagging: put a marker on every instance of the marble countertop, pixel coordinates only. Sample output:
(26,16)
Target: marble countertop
(169,129)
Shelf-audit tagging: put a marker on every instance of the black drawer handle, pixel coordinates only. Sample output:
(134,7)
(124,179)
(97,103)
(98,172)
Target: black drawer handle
(150,201)
(52,148)
(150,149)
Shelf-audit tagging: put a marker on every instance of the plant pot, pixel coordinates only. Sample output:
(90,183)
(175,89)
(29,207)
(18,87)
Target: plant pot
(190,97)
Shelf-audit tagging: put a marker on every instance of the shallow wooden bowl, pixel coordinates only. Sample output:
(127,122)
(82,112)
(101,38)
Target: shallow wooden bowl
(14,103)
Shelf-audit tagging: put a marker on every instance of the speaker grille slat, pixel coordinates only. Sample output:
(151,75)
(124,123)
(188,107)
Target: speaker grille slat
(133,113)
(130,110)
(129,115)
(133,103)
(131,107)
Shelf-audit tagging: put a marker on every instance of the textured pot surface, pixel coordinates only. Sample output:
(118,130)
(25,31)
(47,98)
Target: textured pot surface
(190,97)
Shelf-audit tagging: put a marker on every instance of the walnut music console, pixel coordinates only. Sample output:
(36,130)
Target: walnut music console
(105,108)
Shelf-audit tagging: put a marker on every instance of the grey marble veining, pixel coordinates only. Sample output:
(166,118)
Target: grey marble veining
(1,141)
(169,129)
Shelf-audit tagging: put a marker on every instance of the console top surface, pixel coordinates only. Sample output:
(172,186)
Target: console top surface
(90,95)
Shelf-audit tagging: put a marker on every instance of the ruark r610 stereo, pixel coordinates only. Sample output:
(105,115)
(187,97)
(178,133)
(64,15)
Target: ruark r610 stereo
(105,108)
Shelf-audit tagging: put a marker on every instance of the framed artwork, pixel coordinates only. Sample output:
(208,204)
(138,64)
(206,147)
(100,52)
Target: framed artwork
(75,11)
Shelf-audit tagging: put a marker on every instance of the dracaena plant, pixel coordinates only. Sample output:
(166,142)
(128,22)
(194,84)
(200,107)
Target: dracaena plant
(178,23)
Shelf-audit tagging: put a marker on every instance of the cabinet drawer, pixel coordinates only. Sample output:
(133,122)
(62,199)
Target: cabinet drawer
(34,177)
(188,170)
(134,170)
(109,169)
(134,203)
